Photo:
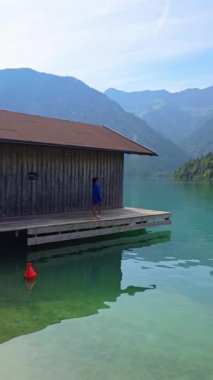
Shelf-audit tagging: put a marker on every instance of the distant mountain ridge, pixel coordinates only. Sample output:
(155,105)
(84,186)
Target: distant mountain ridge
(28,91)
(175,115)
(200,142)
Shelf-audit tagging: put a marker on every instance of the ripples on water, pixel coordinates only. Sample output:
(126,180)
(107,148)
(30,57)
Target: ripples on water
(136,307)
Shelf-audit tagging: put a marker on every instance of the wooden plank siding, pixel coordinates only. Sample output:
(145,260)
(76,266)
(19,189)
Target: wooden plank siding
(64,179)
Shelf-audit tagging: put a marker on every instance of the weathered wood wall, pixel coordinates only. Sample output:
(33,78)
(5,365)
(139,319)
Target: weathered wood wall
(64,178)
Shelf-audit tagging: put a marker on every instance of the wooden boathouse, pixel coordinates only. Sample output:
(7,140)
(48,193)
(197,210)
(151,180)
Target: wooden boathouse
(46,169)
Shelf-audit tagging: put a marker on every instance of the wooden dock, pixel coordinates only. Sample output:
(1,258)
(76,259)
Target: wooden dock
(43,229)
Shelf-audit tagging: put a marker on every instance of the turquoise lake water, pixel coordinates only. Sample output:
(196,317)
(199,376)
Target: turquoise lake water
(136,307)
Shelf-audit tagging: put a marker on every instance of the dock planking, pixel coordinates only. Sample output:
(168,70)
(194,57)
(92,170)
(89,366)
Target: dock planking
(59,227)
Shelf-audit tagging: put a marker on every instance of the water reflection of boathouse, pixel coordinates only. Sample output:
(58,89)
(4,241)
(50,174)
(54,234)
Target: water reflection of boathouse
(68,286)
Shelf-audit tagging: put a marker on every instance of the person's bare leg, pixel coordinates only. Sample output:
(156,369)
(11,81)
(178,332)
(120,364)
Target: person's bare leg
(94,211)
(99,210)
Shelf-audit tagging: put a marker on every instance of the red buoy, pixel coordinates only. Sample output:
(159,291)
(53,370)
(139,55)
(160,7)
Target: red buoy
(30,273)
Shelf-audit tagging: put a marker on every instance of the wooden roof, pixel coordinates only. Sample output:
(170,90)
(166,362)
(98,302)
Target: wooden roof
(23,128)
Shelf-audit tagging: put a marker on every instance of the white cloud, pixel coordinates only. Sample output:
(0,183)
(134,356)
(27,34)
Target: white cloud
(97,41)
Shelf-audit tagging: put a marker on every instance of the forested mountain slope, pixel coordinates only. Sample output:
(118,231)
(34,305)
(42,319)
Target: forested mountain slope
(201,141)
(200,168)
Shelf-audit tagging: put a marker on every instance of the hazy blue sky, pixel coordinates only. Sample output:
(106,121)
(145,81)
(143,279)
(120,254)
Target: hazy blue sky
(127,44)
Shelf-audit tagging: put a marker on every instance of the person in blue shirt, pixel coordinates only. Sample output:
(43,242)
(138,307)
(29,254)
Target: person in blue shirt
(96,198)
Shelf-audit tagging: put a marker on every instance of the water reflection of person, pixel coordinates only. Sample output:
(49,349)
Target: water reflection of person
(131,290)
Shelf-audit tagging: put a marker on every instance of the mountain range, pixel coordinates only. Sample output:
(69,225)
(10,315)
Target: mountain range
(28,91)
(201,141)
(181,117)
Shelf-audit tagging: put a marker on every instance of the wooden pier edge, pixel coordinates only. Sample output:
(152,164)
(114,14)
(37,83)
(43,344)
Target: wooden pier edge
(81,225)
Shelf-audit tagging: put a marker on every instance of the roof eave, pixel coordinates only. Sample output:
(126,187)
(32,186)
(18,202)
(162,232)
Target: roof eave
(38,143)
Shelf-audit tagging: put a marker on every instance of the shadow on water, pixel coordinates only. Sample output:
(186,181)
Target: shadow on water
(73,281)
